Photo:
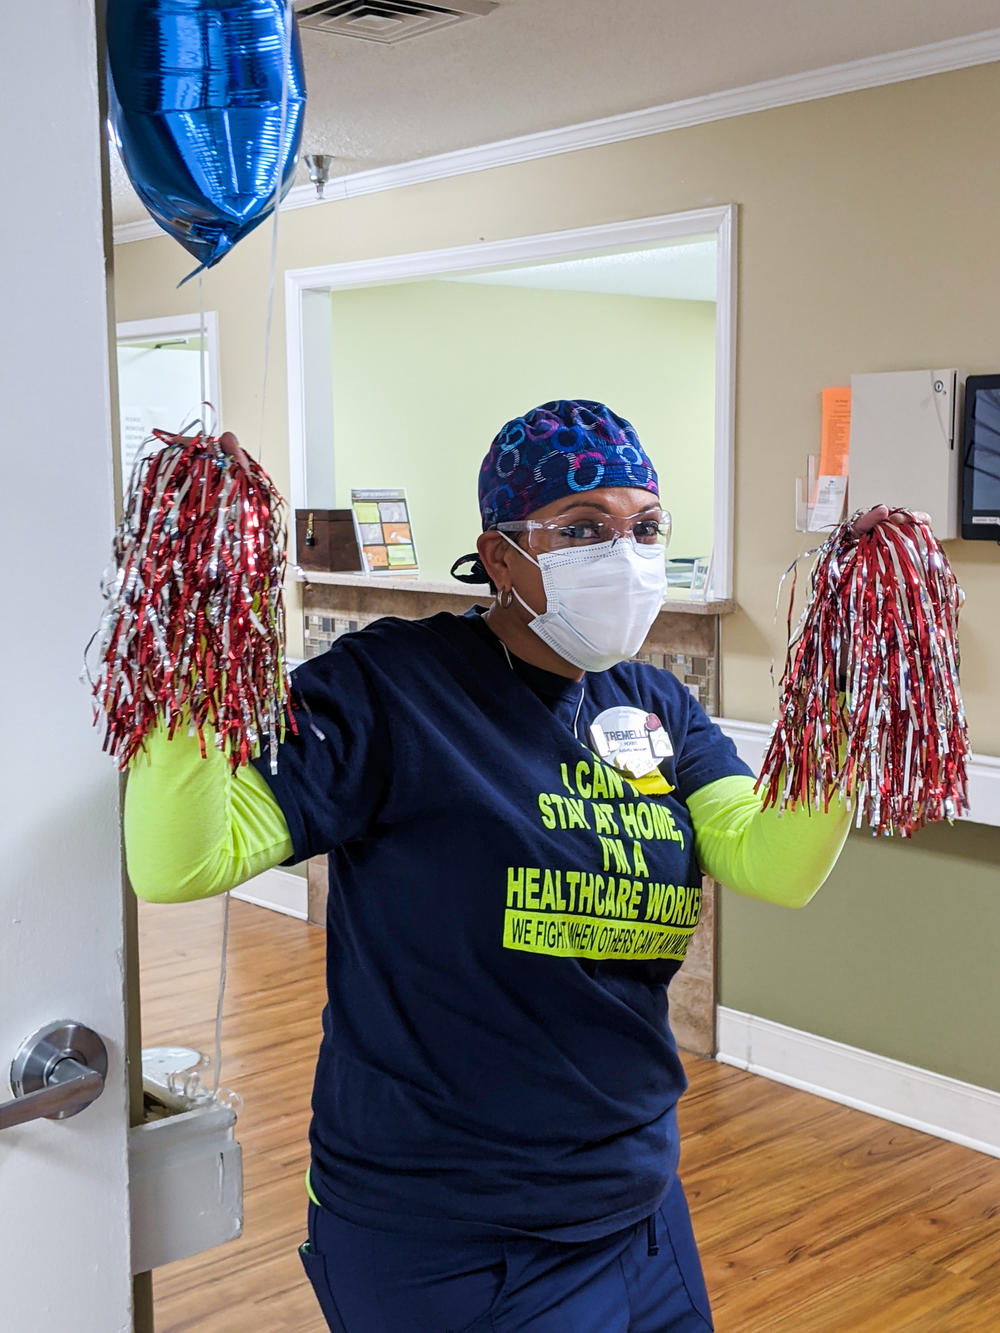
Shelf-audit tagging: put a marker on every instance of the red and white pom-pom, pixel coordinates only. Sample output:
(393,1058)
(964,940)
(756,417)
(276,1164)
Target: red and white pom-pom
(884,611)
(194,630)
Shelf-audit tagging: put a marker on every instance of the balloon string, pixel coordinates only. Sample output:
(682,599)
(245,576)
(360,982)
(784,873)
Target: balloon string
(217,1062)
(272,274)
(273,267)
(792,569)
(203,354)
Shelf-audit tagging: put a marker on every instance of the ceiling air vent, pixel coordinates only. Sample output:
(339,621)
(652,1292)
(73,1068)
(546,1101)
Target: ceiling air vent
(386,20)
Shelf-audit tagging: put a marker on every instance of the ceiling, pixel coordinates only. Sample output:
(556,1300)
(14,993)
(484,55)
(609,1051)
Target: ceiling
(683,272)
(534,65)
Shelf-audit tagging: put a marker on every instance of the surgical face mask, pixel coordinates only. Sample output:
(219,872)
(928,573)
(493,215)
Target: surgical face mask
(600,600)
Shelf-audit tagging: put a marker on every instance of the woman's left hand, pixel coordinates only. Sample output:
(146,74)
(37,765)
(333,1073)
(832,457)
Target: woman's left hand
(230,445)
(881,514)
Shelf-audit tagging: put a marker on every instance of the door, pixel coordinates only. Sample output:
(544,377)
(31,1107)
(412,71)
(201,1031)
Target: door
(64,1219)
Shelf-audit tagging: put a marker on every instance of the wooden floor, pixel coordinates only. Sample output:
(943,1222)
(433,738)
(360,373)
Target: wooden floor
(811,1218)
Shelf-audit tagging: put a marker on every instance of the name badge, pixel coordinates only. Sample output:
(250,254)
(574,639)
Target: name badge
(631,740)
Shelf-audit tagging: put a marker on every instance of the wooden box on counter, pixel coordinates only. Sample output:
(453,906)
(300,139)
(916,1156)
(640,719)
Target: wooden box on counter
(327,539)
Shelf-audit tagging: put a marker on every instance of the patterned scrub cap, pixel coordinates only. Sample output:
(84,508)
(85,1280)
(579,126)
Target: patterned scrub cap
(555,450)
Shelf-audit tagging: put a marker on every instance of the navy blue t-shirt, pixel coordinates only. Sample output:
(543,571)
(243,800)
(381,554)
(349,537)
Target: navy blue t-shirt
(505,911)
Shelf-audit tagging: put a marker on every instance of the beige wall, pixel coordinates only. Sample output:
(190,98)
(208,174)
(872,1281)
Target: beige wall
(867,242)
(862,222)
(425,373)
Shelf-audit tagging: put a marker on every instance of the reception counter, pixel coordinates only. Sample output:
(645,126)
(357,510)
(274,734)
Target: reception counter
(684,638)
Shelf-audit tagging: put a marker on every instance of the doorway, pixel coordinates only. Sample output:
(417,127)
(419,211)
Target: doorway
(569,292)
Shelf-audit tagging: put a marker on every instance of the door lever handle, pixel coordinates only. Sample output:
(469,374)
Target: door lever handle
(57,1071)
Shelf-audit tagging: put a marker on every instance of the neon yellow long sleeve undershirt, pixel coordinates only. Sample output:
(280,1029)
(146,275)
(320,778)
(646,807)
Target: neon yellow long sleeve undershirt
(779,858)
(194,829)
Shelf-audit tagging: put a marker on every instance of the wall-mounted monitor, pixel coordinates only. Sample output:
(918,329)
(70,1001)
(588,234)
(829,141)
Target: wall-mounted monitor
(981,459)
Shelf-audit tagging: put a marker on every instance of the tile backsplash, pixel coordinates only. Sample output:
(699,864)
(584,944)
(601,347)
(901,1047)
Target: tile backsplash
(698,670)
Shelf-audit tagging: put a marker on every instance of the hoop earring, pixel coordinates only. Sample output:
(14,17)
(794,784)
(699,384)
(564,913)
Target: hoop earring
(505,598)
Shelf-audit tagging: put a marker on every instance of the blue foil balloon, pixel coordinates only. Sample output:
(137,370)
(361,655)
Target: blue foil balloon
(196,91)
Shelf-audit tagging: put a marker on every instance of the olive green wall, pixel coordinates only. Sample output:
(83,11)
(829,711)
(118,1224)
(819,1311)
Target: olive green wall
(425,373)
(867,242)
(897,953)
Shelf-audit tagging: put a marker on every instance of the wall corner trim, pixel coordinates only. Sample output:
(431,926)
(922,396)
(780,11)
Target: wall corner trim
(752,738)
(278,890)
(980,48)
(918,1098)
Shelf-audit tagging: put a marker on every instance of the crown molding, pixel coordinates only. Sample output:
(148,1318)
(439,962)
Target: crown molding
(852,76)
(143,229)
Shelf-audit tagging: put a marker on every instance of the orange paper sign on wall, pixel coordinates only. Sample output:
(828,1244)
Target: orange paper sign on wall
(830,494)
(836,438)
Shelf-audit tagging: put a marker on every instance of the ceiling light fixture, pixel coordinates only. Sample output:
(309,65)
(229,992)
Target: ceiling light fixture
(319,170)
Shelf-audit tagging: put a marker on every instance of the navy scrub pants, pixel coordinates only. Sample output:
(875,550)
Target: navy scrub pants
(645,1279)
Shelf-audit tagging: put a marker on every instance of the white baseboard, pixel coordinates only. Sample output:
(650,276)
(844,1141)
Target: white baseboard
(279,890)
(944,1107)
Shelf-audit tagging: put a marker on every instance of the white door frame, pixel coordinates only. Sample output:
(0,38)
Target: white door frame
(716,223)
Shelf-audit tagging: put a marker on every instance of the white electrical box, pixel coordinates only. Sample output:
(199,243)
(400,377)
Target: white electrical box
(904,448)
(186,1176)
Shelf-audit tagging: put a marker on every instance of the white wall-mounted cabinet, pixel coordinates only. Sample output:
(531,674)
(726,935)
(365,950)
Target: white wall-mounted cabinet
(904,444)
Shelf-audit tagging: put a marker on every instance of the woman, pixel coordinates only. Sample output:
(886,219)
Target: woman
(517,819)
